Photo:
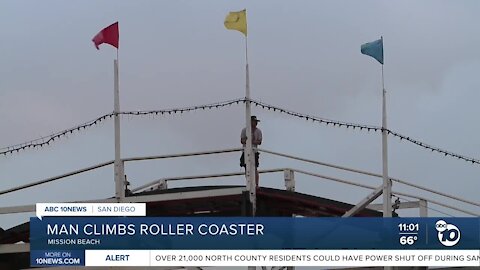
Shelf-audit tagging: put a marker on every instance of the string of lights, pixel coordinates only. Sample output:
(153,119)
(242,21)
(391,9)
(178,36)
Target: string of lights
(40,142)
(46,140)
(364,127)
(433,148)
(321,120)
(216,105)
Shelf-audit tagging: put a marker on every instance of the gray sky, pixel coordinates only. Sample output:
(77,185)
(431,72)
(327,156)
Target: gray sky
(304,56)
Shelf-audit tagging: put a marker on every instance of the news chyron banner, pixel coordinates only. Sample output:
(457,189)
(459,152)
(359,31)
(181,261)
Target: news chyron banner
(121,235)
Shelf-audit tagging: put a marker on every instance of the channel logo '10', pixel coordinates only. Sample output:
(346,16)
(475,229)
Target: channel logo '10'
(448,234)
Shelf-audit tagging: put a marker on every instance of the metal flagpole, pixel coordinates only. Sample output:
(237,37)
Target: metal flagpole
(250,161)
(387,183)
(118,168)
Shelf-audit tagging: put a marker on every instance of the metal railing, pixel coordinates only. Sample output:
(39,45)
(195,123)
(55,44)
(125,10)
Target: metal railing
(371,174)
(289,180)
(29,208)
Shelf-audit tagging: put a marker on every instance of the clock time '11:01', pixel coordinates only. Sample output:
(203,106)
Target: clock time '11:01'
(408,227)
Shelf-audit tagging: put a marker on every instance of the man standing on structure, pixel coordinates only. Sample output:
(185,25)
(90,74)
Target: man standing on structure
(256,141)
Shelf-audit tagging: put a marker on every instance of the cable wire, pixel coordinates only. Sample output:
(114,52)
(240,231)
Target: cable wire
(46,140)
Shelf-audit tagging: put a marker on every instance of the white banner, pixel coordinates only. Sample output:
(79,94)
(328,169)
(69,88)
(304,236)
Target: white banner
(90,209)
(282,258)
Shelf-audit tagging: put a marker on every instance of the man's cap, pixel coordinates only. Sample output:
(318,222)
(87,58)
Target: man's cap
(254,118)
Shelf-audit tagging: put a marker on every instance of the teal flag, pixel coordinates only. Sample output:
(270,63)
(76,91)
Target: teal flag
(374,49)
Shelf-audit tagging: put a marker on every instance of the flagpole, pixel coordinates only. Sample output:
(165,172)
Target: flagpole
(249,154)
(387,183)
(250,173)
(118,167)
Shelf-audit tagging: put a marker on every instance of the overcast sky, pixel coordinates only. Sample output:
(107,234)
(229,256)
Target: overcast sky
(304,56)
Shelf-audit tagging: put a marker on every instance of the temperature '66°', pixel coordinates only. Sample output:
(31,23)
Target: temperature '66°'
(408,240)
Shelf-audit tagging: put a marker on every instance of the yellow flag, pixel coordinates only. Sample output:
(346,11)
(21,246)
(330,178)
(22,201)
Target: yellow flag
(237,20)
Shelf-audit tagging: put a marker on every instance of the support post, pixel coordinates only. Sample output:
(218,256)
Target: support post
(249,153)
(289,176)
(118,164)
(423,208)
(387,183)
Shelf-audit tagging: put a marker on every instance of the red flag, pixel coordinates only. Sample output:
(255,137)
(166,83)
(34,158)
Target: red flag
(108,35)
